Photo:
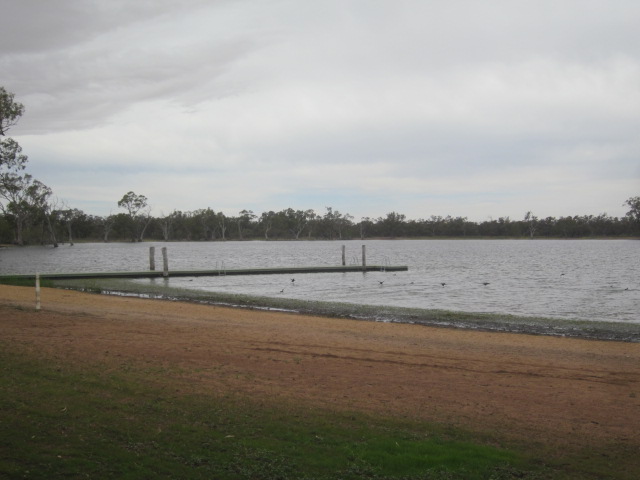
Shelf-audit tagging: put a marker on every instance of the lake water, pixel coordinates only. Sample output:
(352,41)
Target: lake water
(570,279)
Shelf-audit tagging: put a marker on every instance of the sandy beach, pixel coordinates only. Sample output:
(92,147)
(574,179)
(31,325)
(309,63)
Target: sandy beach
(560,392)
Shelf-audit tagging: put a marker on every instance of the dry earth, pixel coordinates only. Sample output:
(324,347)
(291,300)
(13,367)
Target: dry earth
(560,392)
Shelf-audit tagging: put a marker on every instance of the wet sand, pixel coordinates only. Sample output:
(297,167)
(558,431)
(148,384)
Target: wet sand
(561,393)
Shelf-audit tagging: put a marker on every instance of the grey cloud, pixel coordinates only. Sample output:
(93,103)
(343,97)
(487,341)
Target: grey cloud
(443,94)
(28,26)
(73,84)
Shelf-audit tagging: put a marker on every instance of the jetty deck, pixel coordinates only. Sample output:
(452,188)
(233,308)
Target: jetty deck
(212,273)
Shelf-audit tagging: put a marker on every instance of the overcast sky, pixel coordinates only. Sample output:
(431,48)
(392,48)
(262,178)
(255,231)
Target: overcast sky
(482,109)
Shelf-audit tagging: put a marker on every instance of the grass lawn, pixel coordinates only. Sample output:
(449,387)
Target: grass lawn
(73,421)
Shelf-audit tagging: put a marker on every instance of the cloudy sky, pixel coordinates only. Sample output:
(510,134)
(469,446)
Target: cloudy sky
(481,109)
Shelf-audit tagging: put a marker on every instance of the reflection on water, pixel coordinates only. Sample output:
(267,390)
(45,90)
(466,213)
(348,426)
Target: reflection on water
(583,279)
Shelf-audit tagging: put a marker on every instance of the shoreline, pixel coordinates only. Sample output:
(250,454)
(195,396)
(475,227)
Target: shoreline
(487,322)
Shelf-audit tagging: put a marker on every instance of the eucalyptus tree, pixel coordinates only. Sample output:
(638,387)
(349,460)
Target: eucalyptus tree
(531,223)
(26,200)
(39,196)
(13,183)
(634,211)
(14,190)
(202,224)
(106,225)
(393,224)
(166,222)
(222,224)
(24,197)
(297,220)
(139,214)
(243,220)
(68,217)
(10,111)
(12,160)
(334,223)
(266,222)
(364,226)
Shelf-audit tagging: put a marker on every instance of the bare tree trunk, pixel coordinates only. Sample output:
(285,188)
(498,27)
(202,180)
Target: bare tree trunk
(70,234)
(19,229)
(52,233)
(147,221)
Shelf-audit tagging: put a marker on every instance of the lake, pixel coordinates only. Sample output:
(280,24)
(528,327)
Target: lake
(569,279)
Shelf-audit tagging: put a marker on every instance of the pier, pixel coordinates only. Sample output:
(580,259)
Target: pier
(212,273)
(217,272)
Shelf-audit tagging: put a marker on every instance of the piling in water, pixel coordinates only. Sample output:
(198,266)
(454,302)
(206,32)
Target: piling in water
(364,258)
(165,262)
(152,258)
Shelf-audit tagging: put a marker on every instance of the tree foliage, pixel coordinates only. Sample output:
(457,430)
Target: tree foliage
(10,111)
(139,214)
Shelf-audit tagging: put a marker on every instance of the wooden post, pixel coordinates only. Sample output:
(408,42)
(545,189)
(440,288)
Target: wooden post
(343,257)
(364,258)
(37,291)
(165,262)
(152,258)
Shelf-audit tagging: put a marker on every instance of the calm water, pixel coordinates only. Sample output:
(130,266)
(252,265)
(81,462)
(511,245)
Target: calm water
(581,279)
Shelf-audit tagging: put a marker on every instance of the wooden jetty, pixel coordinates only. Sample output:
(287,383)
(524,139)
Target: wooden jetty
(212,273)
(217,272)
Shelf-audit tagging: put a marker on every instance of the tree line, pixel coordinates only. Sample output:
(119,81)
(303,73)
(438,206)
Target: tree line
(136,223)
(30,214)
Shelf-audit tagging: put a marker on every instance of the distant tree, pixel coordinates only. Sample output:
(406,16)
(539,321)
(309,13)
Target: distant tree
(266,222)
(222,224)
(14,183)
(333,223)
(392,225)
(106,225)
(139,214)
(166,224)
(297,220)
(15,189)
(26,201)
(365,224)
(531,222)
(68,216)
(634,210)
(40,198)
(243,220)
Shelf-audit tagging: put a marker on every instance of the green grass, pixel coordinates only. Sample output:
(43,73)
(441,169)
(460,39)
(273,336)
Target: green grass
(63,421)
(24,282)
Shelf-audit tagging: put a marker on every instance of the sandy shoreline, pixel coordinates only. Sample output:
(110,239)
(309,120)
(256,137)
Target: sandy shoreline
(561,392)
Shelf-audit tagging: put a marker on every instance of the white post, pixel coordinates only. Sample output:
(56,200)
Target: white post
(165,262)
(37,291)
(152,258)
(364,258)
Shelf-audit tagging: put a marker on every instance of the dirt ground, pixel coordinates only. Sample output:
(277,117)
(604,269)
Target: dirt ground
(565,393)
